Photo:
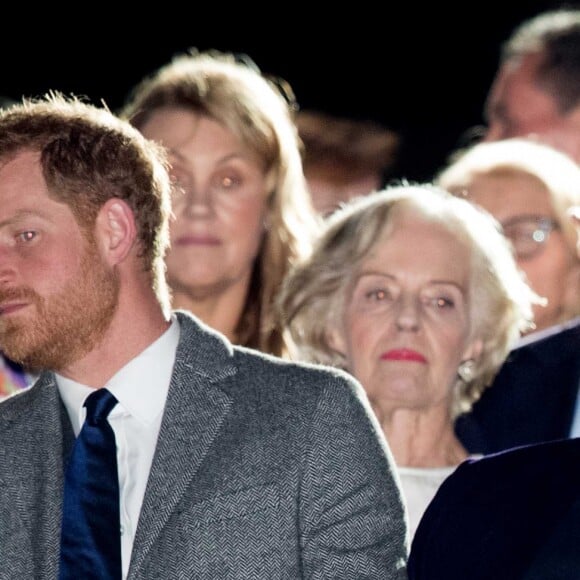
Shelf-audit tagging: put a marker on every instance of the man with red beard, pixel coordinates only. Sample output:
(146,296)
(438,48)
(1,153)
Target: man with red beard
(230,463)
(12,376)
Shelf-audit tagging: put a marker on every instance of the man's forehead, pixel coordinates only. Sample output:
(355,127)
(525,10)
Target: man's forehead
(19,160)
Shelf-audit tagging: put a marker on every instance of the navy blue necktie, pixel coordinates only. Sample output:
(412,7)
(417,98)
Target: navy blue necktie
(90,537)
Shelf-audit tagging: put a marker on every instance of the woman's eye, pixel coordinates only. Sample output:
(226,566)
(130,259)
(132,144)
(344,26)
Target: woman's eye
(27,236)
(441,302)
(378,295)
(228,182)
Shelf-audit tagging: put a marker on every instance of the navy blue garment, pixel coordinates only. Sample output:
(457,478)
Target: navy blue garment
(533,397)
(514,515)
(90,535)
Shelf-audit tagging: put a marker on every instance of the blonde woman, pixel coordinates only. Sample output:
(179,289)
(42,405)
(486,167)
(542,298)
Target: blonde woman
(242,211)
(416,293)
(528,187)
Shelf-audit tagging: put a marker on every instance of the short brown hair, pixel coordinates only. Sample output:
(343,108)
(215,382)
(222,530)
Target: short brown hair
(88,156)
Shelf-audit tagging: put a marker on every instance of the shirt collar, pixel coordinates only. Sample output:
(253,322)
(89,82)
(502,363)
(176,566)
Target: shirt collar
(141,386)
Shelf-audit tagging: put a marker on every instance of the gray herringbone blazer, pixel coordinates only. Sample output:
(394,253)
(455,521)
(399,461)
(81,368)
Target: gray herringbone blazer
(264,469)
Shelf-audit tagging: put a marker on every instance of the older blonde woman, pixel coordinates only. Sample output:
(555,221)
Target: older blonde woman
(243,213)
(416,293)
(528,187)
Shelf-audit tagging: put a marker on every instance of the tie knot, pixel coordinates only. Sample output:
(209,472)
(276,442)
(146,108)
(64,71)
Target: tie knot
(99,404)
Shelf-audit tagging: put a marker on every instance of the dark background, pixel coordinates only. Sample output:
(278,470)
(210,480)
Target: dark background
(421,69)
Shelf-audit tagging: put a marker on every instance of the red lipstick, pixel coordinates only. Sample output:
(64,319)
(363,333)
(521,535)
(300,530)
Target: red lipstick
(404,354)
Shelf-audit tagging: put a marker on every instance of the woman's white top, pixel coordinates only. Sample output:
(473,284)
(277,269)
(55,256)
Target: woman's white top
(419,486)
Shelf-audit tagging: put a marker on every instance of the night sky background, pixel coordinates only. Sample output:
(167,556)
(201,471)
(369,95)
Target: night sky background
(421,69)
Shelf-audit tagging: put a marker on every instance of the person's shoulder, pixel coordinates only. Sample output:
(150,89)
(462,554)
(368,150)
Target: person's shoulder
(496,510)
(301,389)
(211,351)
(552,337)
(521,463)
(18,400)
(205,343)
(24,406)
(296,371)
(547,451)
(546,350)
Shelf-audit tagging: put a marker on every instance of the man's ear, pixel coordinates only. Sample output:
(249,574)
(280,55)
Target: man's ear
(116,230)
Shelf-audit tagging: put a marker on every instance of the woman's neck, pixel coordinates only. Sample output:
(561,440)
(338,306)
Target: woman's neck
(422,438)
(221,311)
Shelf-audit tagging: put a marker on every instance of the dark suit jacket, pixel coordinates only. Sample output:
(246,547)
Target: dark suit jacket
(263,469)
(532,398)
(510,516)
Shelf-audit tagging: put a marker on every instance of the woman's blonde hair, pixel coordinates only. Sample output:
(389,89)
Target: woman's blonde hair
(314,293)
(259,110)
(558,173)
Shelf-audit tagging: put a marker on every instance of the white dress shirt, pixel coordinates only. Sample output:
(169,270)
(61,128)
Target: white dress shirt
(141,388)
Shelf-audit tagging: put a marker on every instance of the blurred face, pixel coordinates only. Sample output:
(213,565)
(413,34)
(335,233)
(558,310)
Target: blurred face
(406,324)
(328,193)
(510,197)
(57,296)
(219,205)
(517,107)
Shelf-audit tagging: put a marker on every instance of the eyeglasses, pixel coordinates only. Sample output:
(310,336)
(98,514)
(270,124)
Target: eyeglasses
(528,234)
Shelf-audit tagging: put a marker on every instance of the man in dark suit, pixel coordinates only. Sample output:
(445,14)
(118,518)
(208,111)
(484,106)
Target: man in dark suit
(535,394)
(510,516)
(231,464)
(539,66)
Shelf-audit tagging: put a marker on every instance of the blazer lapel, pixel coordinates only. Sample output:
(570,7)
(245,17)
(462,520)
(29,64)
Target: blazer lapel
(194,413)
(37,434)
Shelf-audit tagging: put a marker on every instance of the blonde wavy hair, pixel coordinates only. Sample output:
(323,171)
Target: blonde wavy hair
(259,110)
(314,294)
(556,171)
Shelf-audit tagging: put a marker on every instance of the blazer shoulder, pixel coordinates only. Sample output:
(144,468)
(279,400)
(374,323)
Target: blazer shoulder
(252,363)
(20,403)
(520,466)
(551,356)
(556,341)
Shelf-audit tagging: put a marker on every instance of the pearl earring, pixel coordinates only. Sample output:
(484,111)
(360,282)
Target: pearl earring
(466,370)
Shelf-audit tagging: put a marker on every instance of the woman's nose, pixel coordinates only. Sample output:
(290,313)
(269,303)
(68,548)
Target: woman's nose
(194,200)
(408,315)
